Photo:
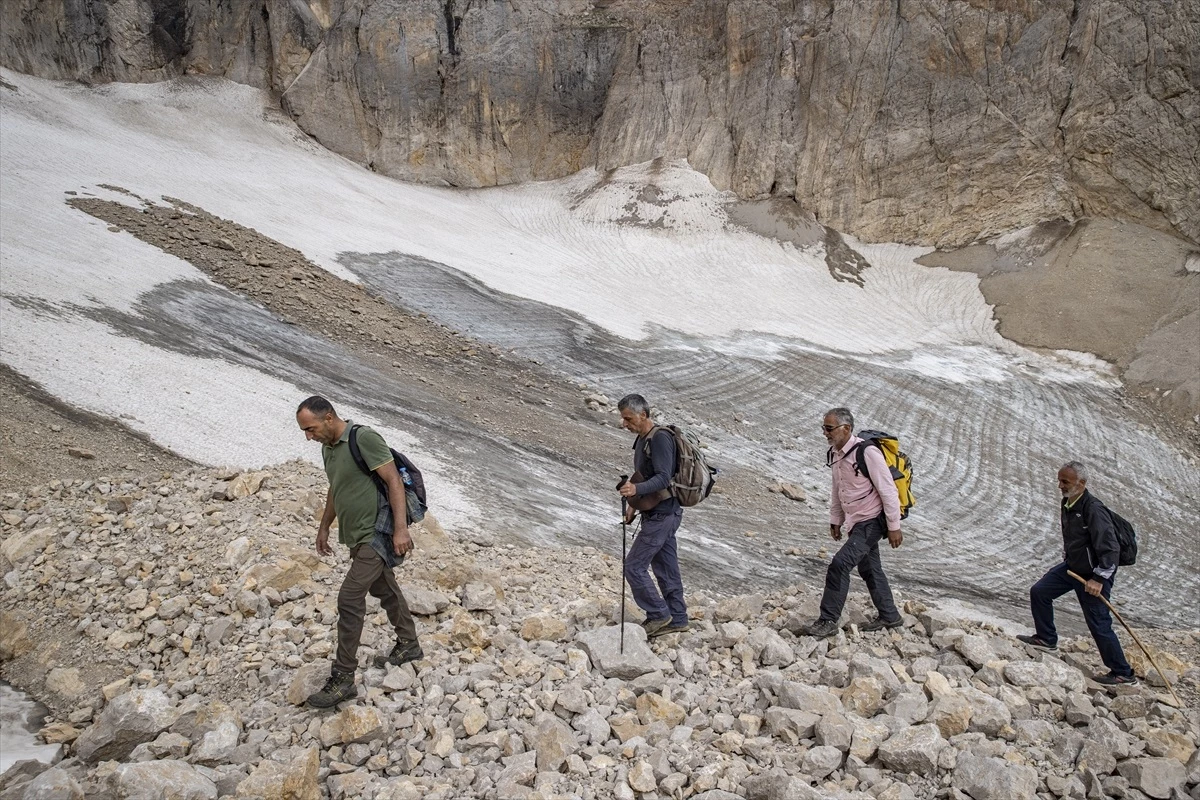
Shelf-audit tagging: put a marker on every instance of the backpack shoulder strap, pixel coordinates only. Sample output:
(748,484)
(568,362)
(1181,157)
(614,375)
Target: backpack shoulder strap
(357,455)
(355,452)
(860,457)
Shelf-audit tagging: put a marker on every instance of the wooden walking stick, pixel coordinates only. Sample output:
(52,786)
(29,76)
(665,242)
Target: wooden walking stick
(1145,650)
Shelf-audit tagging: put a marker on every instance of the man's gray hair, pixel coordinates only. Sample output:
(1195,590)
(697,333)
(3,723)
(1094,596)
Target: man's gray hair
(842,415)
(635,403)
(1079,468)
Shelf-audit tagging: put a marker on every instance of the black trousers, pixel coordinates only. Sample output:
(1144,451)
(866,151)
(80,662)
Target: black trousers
(860,550)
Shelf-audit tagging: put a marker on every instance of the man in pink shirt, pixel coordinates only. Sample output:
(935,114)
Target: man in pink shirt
(870,507)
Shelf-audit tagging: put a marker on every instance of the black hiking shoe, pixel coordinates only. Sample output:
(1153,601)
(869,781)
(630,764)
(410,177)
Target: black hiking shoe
(671,627)
(879,624)
(1038,643)
(653,626)
(402,653)
(822,628)
(339,687)
(1112,679)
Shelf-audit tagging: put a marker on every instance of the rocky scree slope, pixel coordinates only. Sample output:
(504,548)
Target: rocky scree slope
(175,623)
(936,123)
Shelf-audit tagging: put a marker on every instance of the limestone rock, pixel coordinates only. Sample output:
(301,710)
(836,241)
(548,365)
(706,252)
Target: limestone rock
(424,602)
(1157,777)
(543,627)
(602,646)
(14,636)
(863,696)
(739,608)
(307,679)
(993,778)
(66,683)
(791,723)
(353,724)
(17,547)
(808,698)
(913,749)
(296,780)
(246,484)
(133,718)
(479,597)
(822,760)
(153,780)
(53,784)
(652,707)
(553,742)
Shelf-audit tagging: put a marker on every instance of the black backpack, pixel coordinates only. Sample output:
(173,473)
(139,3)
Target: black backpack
(1126,538)
(414,483)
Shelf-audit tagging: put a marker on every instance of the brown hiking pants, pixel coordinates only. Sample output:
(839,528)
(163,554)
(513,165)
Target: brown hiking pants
(368,574)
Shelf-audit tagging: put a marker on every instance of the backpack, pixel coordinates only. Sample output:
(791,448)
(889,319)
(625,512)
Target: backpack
(414,483)
(694,478)
(897,461)
(1126,538)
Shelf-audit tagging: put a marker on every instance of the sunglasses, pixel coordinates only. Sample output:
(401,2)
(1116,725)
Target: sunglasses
(832,428)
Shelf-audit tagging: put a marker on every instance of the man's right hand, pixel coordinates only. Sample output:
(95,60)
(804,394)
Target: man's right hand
(836,532)
(323,542)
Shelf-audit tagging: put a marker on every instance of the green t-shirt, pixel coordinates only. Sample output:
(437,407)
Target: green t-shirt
(355,498)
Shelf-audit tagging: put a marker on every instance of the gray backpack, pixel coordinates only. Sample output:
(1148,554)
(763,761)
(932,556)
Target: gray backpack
(693,479)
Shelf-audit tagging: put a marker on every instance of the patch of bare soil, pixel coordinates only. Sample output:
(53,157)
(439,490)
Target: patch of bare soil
(1118,290)
(44,439)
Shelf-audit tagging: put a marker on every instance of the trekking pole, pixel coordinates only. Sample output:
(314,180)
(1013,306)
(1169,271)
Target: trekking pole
(624,525)
(1145,650)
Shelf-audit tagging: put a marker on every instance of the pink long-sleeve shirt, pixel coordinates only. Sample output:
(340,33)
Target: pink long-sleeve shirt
(856,497)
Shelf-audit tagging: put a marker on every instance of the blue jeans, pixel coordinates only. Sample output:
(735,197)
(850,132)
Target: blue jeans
(1055,584)
(860,550)
(654,548)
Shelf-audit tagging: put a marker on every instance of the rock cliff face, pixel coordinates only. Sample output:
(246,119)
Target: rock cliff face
(918,121)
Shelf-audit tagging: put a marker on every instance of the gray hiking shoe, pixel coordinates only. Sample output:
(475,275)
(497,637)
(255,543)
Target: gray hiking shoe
(822,628)
(879,624)
(402,653)
(671,627)
(339,687)
(653,626)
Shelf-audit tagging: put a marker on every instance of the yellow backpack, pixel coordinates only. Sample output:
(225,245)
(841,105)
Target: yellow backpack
(897,461)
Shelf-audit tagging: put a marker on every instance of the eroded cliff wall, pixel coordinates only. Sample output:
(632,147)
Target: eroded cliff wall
(917,120)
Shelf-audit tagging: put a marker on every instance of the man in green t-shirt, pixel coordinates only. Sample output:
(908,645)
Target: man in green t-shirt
(353,499)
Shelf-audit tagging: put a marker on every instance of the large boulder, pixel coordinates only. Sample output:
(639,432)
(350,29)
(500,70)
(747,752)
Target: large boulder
(913,749)
(1156,777)
(129,720)
(603,647)
(993,778)
(295,780)
(553,742)
(155,780)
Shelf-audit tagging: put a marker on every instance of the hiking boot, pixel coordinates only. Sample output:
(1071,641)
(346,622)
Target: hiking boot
(1038,643)
(402,653)
(1112,679)
(822,628)
(653,626)
(879,624)
(339,687)
(672,627)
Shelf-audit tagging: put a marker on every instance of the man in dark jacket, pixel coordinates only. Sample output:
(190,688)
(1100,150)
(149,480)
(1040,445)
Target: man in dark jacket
(654,548)
(1090,550)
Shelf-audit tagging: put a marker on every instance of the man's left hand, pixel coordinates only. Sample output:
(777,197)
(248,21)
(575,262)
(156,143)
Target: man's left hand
(1094,587)
(402,543)
(628,489)
(895,538)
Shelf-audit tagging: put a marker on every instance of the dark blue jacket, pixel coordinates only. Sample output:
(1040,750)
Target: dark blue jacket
(657,467)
